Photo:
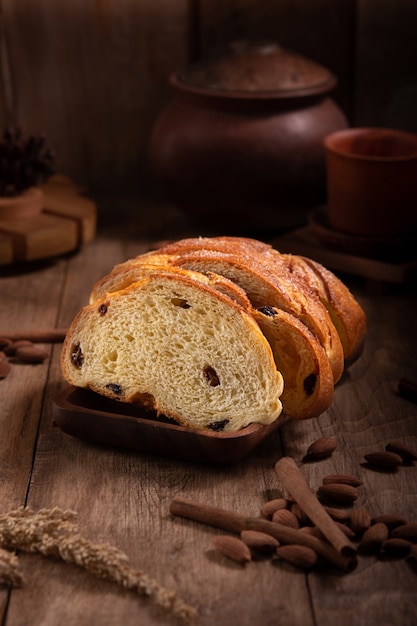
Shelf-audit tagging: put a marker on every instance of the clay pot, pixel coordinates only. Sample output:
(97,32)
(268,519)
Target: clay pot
(26,204)
(372,182)
(241,143)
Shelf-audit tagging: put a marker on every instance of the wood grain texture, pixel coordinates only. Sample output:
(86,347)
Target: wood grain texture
(123,498)
(386,67)
(91,75)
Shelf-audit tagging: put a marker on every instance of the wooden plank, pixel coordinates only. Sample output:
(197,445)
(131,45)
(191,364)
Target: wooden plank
(386,68)
(101,77)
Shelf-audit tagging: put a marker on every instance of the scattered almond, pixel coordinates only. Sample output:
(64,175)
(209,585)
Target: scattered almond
(269,508)
(407,454)
(374,537)
(384,460)
(299,556)
(4,342)
(13,346)
(338,493)
(312,530)
(4,369)
(233,548)
(259,542)
(285,517)
(391,521)
(303,519)
(359,521)
(345,479)
(350,534)
(321,448)
(398,548)
(406,531)
(339,515)
(31,354)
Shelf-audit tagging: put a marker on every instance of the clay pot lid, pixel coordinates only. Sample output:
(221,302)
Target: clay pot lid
(258,69)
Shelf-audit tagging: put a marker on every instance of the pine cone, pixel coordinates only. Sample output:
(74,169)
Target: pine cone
(25,161)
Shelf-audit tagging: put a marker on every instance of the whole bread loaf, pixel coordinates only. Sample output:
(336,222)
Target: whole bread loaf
(291,323)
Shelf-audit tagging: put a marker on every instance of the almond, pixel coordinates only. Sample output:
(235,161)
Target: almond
(233,548)
(338,493)
(345,479)
(407,454)
(269,508)
(285,517)
(406,531)
(259,542)
(4,369)
(397,547)
(359,521)
(299,556)
(31,354)
(339,515)
(350,534)
(312,530)
(374,537)
(384,460)
(391,521)
(303,519)
(321,448)
(4,342)
(11,348)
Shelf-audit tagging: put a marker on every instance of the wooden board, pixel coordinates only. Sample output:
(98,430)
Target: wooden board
(68,220)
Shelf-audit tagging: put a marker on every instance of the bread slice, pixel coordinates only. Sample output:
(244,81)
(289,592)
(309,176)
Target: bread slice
(302,361)
(262,286)
(176,344)
(308,388)
(345,312)
(267,288)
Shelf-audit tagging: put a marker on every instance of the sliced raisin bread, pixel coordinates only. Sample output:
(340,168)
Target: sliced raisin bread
(347,315)
(178,345)
(262,286)
(308,389)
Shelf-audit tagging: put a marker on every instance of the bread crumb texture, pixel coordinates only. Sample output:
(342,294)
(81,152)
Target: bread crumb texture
(193,354)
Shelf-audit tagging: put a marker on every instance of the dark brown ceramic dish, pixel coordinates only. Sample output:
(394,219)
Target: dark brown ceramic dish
(96,419)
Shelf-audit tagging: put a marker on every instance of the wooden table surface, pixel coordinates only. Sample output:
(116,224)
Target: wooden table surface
(123,498)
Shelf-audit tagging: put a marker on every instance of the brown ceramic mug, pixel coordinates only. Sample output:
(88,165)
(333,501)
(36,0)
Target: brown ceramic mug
(372,182)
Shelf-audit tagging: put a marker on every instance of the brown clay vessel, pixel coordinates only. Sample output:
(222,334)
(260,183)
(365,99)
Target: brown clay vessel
(241,143)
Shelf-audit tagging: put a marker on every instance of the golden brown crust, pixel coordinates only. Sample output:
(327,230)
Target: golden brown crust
(302,361)
(264,286)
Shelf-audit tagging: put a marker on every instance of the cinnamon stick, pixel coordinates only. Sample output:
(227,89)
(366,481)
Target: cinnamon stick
(40,335)
(296,485)
(233,522)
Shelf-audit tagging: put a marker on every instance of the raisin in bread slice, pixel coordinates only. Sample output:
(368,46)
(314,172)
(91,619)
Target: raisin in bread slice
(178,345)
